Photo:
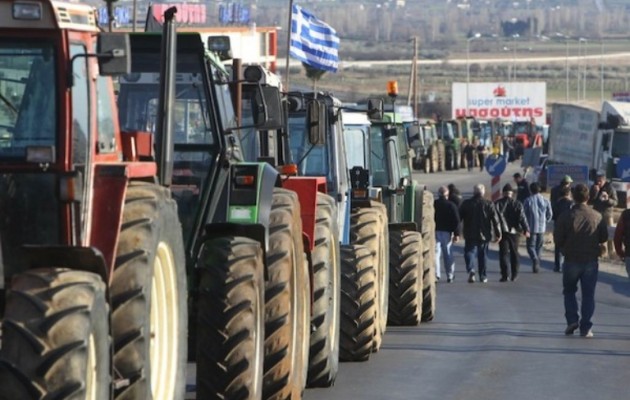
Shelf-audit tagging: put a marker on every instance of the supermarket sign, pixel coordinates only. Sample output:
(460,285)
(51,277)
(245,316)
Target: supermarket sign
(511,101)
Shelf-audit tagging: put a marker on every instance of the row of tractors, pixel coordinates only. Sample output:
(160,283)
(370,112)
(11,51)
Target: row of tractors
(190,212)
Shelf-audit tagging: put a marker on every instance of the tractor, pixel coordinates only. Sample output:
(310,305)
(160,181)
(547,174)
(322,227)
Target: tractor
(412,289)
(362,230)
(249,292)
(94,299)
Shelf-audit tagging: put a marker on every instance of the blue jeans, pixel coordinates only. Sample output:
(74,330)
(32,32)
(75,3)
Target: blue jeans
(558,259)
(586,275)
(443,242)
(534,246)
(476,255)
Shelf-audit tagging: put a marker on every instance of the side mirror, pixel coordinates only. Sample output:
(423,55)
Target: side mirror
(413,136)
(113,53)
(390,132)
(273,102)
(254,103)
(375,109)
(404,182)
(316,122)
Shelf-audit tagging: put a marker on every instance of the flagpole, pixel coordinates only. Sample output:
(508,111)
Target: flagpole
(286,69)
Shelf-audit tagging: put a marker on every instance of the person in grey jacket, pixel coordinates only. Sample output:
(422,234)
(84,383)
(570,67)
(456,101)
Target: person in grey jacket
(538,212)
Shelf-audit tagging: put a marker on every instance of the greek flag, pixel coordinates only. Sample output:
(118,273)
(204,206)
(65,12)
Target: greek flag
(313,41)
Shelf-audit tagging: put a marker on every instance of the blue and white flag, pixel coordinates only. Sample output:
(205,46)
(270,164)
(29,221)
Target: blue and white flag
(313,41)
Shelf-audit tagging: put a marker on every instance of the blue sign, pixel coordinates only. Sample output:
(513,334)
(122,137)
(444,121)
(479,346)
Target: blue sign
(623,169)
(555,173)
(495,165)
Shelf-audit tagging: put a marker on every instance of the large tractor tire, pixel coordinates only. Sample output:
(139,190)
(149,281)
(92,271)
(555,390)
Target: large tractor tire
(426,161)
(149,297)
(326,286)
(358,303)
(369,227)
(405,278)
(230,319)
(425,219)
(441,156)
(434,157)
(287,302)
(55,342)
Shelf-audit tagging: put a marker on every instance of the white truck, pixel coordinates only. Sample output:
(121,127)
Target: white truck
(597,139)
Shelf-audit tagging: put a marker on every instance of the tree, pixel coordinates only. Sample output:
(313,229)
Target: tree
(313,74)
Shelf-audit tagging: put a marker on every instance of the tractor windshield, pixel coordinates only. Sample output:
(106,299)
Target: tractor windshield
(27,96)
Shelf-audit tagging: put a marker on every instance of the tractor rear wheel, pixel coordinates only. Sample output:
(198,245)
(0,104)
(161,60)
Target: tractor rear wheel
(230,319)
(426,224)
(148,295)
(405,277)
(369,227)
(324,346)
(358,303)
(287,302)
(56,341)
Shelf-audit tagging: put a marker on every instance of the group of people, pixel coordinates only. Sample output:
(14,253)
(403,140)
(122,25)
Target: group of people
(472,149)
(580,233)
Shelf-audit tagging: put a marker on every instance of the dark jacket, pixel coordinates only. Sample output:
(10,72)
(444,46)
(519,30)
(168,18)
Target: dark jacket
(622,234)
(579,232)
(554,195)
(603,206)
(562,205)
(522,190)
(455,197)
(446,216)
(513,216)
(480,218)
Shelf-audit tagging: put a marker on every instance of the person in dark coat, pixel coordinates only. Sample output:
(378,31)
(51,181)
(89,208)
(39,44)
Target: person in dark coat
(446,233)
(554,195)
(514,224)
(454,195)
(522,187)
(469,154)
(562,205)
(603,198)
(580,233)
(481,225)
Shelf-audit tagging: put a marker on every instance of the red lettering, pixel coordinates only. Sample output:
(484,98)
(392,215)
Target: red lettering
(483,113)
(505,113)
(494,112)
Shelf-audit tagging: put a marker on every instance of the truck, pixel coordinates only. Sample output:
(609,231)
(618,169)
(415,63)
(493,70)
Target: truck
(597,139)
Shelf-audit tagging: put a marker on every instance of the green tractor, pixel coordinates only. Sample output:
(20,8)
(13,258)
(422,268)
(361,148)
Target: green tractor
(412,291)
(249,288)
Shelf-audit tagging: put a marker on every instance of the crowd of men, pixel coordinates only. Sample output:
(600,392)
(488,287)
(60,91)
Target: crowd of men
(581,219)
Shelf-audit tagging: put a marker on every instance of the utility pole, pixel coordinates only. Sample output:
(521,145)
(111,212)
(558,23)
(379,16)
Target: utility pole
(415,77)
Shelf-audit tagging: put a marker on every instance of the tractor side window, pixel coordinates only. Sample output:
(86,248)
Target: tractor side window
(80,106)
(355,146)
(377,157)
(105,116)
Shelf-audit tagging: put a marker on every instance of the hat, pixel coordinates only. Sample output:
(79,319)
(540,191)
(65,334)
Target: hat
(567,179)
(507,188)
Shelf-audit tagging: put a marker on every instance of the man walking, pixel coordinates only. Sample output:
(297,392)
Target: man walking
(603,198)
(580,233)
(481,224)
(522,187)
(514,223)
(622,238)
(446,232)
(538,212)
(555,191)
(562,205)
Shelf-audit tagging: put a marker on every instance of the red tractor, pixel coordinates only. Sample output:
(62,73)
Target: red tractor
(92,258)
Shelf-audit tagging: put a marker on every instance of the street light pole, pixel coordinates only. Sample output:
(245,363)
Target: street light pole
(601,73)
(468,40)
(579,69)
(584,71)
(566,67)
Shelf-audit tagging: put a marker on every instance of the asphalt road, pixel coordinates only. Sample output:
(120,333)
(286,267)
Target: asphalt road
(499,340)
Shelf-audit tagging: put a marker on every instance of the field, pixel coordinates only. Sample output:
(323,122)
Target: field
(489,61)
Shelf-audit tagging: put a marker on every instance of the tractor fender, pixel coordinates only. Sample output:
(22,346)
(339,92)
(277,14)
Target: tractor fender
(306,189)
